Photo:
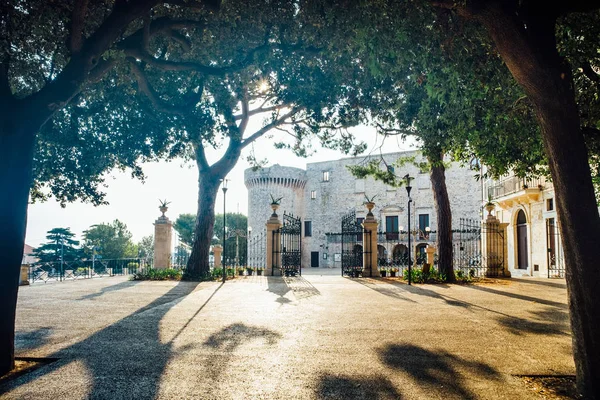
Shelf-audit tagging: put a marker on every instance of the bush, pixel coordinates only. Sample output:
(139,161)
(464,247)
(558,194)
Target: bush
(151,274)
(434,276)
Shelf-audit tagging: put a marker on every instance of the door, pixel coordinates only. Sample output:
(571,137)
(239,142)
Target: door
(522,255)
(314,259)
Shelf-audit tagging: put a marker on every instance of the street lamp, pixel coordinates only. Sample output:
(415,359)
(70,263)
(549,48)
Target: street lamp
(407,179)
(224,221)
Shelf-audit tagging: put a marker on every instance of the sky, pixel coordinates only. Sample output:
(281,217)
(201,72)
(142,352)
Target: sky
(136,203)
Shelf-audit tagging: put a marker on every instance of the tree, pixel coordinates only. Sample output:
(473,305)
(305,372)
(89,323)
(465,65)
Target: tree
(48,56)
(235,237)
(146,247)
(111,241)
(184,225)
(60,246)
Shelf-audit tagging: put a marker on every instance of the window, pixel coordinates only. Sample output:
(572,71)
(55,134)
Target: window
(550,205)
(325,176)
(313,194)
(423,225)
(307,228)
(359,236)
(391,227)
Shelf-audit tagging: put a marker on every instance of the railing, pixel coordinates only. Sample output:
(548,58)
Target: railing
(85,269)
(512,184)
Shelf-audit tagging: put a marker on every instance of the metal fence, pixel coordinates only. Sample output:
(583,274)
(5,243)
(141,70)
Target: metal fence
(85,269)
(257,249)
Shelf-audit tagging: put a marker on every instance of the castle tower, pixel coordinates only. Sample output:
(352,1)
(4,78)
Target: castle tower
(285,182)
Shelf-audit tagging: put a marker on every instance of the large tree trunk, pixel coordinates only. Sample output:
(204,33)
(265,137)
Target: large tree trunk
(444,217)
(532,58)
(16,158)
(208,186)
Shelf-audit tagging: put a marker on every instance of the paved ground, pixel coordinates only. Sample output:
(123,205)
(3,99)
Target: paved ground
(319,336)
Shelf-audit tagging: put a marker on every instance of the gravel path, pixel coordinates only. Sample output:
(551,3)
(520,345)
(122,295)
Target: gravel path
(319,336)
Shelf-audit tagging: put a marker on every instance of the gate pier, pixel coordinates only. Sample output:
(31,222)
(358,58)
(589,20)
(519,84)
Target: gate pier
(370,242)
(273,241)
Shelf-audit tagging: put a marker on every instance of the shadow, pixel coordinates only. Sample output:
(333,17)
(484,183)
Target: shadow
(437,371)
(123,360)
(302,288)
(527,281)
(228,339)
(385,288)
(33,339)
(276,285)
(108,289)
(549,322)
(519,296)
(344,387)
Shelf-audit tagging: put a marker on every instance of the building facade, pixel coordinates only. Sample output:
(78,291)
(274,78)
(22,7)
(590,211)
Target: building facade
(532,235)
(324,192)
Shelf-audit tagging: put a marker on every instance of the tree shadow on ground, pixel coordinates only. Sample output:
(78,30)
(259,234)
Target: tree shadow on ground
(108,289)
(519,296)
(124,360)
(33,339)
(527,281)
(436,371)
(230,338)
(547,322)
(388,289)
(345,387)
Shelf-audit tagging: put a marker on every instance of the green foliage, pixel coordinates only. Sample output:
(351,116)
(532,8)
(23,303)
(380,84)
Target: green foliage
(146,247)
(151,274)
(434,276)
(111,241)
(60,245)
(184,225)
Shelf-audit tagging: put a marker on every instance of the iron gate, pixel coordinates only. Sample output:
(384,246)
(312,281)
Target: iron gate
(478,249)
(556,259)
(288,252)
(353,246)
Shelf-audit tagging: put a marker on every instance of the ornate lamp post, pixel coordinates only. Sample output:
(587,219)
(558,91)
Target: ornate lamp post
(407,179)
(224,220)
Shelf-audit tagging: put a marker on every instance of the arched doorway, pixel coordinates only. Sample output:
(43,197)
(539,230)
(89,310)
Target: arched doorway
(522,254)
(400,253)
(381,255)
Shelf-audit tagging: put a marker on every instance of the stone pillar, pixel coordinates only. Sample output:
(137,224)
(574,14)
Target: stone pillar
(217,251)
(494,245)
(370,243)
(24,277)
(273,242)
(162,242)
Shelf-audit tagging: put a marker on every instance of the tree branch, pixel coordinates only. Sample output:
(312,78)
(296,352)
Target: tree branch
(201,160)
(261,110)
(77,22)
(145,87)
(590,73)
(269,126)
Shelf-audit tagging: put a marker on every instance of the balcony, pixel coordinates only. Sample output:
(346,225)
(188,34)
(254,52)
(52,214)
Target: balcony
(512,189)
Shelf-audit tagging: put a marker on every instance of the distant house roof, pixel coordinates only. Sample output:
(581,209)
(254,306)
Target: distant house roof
(27,257)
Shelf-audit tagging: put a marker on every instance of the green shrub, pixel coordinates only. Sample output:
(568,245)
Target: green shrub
(151,274)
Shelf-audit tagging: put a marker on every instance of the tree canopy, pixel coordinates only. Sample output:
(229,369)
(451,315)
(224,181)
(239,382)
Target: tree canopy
(109,240)
(60,246)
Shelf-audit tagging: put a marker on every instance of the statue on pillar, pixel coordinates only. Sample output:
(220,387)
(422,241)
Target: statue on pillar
(162,238)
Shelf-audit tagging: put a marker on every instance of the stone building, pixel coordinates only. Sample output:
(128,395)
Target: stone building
(532,238)
(326,191)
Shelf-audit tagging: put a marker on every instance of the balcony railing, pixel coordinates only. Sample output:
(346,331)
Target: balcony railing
(512,184)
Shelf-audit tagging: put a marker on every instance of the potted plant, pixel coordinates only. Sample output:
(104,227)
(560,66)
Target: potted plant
(489,206)
(275,204)
(382,272)
(163,207)
(240,271)
(259,270)
(249,271)
(369,203)
(393,271)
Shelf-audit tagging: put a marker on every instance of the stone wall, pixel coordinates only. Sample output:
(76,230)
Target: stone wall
(323,200)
